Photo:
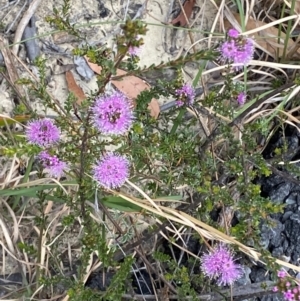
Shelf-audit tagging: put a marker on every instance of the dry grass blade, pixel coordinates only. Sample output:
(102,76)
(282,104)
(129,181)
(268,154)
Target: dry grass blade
(178,246)
(143,194)
(46,181)
(7,235)
(12,71)
(4,117)
(204,229)
(276,110)
(23,23)
(15,223)
(247,250)
(53,225)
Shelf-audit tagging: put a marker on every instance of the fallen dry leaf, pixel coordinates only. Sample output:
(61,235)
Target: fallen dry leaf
(74,88)
(297,7)
(267,39)
(131,86)
(182,18)
(154,108)
(63,38)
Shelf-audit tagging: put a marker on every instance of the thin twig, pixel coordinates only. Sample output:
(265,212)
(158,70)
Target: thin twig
(238,293)
(23,23)
(188,24)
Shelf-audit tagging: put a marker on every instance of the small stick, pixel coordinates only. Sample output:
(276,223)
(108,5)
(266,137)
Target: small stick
(23,23)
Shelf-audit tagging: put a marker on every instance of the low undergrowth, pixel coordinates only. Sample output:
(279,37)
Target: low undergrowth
(107,176)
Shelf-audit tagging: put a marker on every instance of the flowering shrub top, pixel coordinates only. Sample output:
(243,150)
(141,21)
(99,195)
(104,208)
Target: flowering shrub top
(112,114)
(219,263)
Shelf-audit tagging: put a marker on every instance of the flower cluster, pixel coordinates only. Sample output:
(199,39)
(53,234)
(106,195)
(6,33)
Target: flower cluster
(241,98)
(111,171)
(134,50)
(42,132)
(45,133)
(185,95)
(219,263)
(53,166)
(136,46)
(237,49)
(112,114)
(290,292)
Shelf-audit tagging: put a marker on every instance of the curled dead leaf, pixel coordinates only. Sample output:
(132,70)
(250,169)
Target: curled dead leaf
(74,88)
(183,17)
(131,86)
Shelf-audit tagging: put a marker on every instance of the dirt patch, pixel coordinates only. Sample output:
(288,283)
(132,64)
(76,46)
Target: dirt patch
(100,21)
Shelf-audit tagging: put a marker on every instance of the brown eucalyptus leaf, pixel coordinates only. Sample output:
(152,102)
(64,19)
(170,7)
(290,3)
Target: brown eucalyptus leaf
(154,108)
(74,88)
(268,39)
(297,7)
(63,38)
(182,18)
(131,86)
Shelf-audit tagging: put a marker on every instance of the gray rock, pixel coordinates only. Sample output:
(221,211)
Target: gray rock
(277,252)
(245,279)
(295,217)
(271,233)
(273,297)
(258,274)
(290,201)
(279,195)
(286,215)
(83,68)
(285,245)
(289,251)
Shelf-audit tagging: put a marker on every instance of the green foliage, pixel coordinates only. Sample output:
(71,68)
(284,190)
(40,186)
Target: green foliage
(166,154)
(178,275)
(114,291)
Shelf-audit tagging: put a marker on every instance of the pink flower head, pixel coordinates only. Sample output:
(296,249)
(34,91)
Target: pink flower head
(219,263)
(275,289)
(113,114)
(288,295)
(53,166)
(42,132)
(287,284)
(111,171)
(228,50)
(241,98)
(230,273)
(237,50)
(244,53)
(281,274)
(185,95)
(233,33)
(134,51)
(295,290)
